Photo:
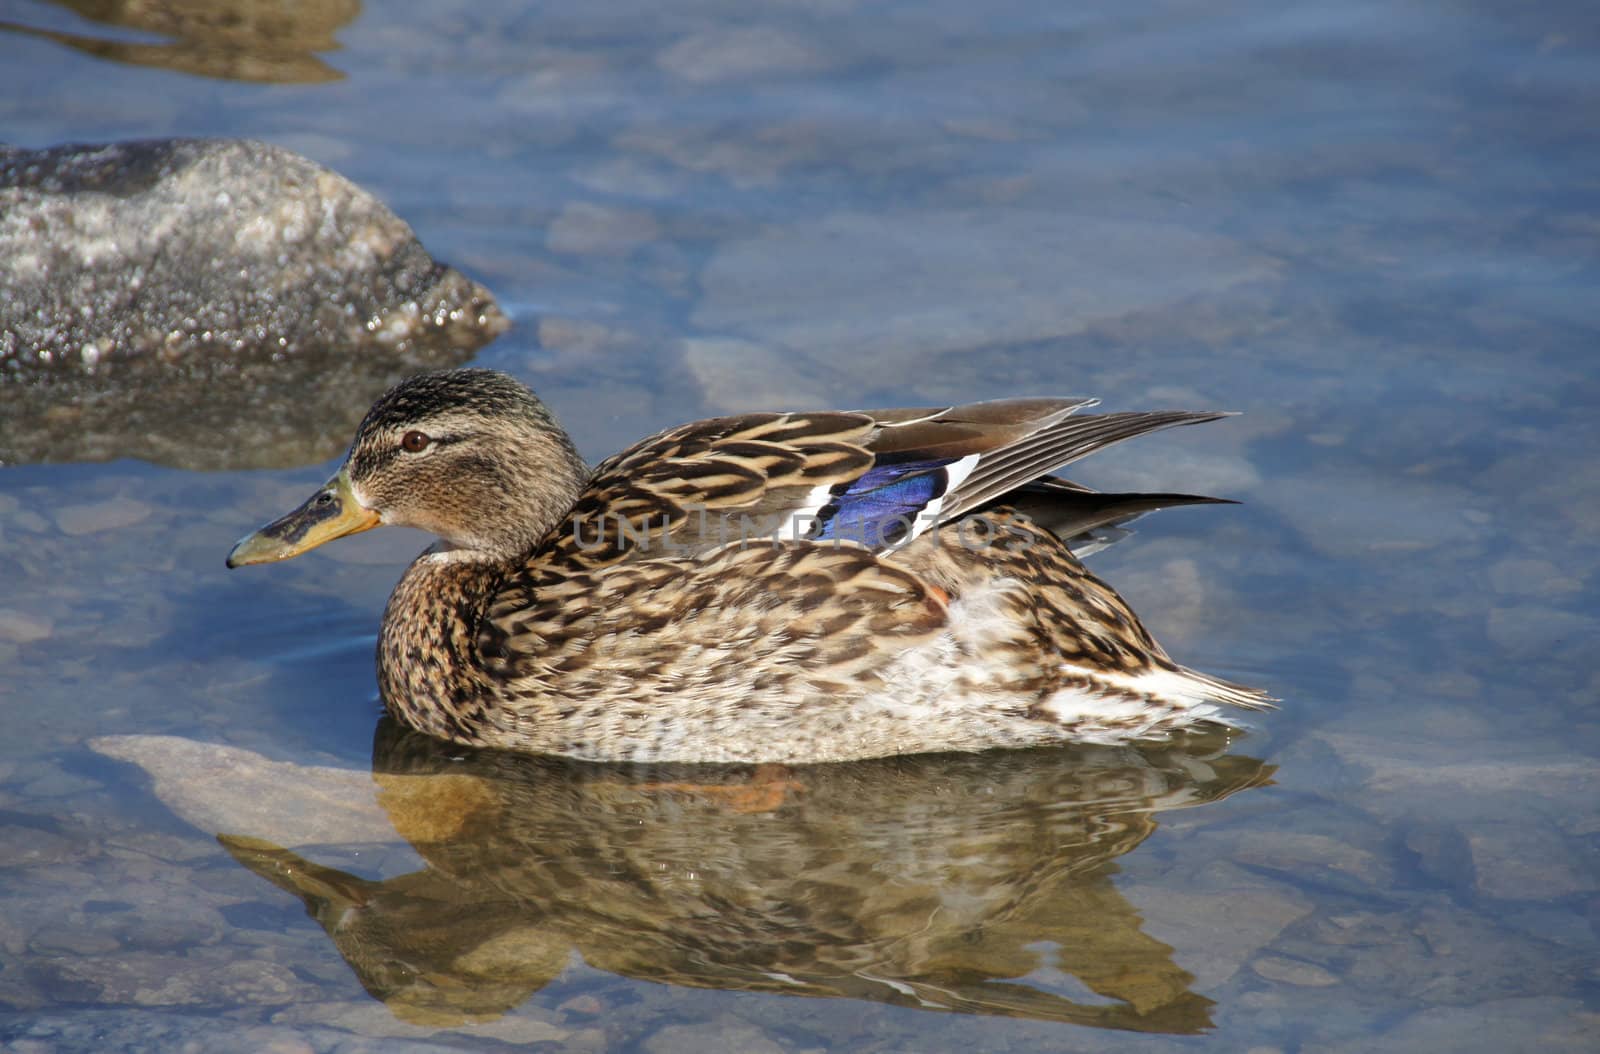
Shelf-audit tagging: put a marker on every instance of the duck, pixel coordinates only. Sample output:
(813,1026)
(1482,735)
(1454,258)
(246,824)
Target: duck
(766,587)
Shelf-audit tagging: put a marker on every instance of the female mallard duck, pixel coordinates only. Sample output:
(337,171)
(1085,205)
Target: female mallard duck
(764,587)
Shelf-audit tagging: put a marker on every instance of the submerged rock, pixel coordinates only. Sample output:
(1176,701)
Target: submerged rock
(878,294)
(217,788)
(208,303)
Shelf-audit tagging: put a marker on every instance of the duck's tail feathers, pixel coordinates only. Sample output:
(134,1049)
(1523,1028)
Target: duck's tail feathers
(1062,440)
(1217,690)
(1085,518)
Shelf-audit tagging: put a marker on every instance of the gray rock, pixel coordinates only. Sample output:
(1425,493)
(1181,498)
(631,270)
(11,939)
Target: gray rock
(1331,859)
(1527,631)
(22,627)
(150,1029)
(170,249)
(737,375)
(736,53)
(888,290)
(725,1035)
(1426,778)
(1442,854)
(1165,465)
(101,516)
(1373,513)
(72,940)
(160,918)
(205,976)
(743,162)
(581,340)
(208,303)
(1536,1024)
(1438,954)
(1219,930)
(1521,576)
(585,228)
(1523,861)
(1293,971)
(375,1020)
(630,177)
(221,788)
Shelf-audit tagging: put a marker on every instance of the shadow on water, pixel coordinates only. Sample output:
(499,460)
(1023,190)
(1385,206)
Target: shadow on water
(926,882)
(266,41)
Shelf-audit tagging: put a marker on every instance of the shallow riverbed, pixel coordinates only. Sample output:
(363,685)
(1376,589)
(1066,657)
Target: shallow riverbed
(1373,228)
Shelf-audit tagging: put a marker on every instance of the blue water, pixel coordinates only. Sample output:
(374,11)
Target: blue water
(1372,228)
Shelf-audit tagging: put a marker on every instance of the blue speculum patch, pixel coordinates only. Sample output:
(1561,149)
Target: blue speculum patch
(882,506)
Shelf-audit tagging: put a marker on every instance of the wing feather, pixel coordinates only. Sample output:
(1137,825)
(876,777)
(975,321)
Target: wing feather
(1056,447)
(695,488)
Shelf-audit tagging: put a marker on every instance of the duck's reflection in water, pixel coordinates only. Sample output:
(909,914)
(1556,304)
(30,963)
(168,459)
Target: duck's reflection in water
(951,882)
(267,41)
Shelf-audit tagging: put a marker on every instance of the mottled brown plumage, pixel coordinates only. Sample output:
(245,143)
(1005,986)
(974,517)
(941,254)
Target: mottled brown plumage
(763,587)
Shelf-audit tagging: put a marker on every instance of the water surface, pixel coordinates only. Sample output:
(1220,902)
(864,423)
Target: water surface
(1372,228)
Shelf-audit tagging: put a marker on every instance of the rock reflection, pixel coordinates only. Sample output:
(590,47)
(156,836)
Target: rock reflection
(954,882)
(267,41)
(239,414)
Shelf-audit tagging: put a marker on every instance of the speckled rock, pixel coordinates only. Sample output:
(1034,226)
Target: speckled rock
(182,248)
(181,296)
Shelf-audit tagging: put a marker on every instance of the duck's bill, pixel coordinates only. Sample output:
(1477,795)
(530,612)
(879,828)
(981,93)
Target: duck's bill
(330,513)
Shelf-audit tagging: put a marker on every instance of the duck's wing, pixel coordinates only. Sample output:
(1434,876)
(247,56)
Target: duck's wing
(1088,520)
(694,488)
(875,478)
(937,466)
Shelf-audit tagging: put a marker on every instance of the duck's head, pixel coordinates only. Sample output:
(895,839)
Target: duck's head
(470,455)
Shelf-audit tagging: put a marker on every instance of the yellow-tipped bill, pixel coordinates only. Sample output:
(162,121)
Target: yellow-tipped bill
(330,513)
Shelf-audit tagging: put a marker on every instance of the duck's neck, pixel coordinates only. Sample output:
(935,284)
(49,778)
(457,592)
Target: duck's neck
(428,669)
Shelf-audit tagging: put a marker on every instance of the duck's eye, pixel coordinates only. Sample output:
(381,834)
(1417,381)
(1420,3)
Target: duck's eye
(415,442)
